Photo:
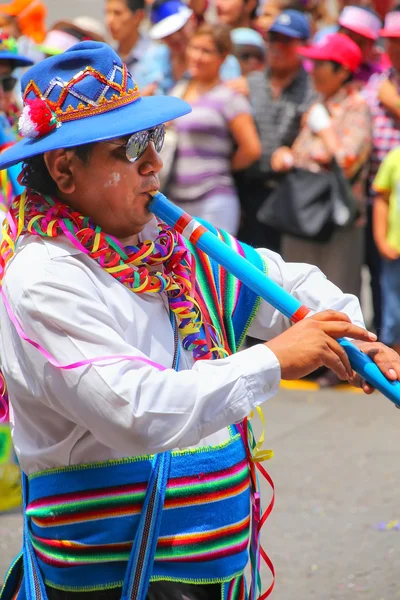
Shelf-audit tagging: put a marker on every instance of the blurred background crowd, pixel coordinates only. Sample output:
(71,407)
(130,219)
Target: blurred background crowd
(293,140)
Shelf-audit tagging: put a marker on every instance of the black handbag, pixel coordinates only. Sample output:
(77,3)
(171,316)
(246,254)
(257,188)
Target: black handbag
(310,205)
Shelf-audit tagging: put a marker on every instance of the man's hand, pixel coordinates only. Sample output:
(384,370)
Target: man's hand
(387,360)
(311,344)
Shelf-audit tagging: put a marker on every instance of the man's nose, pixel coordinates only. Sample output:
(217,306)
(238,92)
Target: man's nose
(151,161)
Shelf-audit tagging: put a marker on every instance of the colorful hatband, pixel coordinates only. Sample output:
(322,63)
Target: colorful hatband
(82,96)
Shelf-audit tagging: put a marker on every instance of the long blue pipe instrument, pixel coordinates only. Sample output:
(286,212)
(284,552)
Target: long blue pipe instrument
(270,291)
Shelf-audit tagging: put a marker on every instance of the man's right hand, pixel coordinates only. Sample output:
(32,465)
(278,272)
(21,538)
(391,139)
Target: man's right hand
(311,344)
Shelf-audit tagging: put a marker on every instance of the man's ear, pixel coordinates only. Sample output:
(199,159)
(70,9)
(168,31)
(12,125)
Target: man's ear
(138,16)
(60,168)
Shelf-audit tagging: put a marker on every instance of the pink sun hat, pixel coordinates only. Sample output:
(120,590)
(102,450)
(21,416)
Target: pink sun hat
(361,21)
(391,29)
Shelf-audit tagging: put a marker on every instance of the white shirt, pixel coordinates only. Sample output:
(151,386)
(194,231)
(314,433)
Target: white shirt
(65,301)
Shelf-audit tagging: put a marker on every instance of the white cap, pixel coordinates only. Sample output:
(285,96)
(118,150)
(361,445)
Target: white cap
(168,18)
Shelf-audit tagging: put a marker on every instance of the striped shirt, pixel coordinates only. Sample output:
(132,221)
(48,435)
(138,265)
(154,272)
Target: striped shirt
(203,158)
(278,119)
(385,126)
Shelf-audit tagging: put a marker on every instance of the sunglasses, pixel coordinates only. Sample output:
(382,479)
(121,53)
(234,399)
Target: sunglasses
(249,55)
(8,83)
(137,144)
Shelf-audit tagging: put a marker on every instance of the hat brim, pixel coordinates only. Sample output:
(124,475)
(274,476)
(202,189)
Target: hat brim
(364,31)
(16,59)
(387,33)
(137,116)
(314,53)
(170,24)
(288,31)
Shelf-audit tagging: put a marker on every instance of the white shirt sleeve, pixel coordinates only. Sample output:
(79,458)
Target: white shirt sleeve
(128,405)
(309,285)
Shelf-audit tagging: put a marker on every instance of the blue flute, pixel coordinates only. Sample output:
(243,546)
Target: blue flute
(248,274)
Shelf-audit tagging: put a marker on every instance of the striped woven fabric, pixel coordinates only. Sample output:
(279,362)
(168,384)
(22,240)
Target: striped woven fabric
(228,304)
(126,500)
(198,546)
(236,589)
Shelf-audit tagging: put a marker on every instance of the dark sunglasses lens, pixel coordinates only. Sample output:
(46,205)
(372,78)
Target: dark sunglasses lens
(158,137)
(136,145)
(138,142)
(8,83)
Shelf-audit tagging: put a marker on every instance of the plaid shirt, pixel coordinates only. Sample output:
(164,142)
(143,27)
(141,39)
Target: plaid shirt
(385,127)
(278,120)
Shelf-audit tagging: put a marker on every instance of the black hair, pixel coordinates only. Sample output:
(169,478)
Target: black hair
(254,12)
(336,67)
(395,8)
(135,5)
(36,176)
(158,3)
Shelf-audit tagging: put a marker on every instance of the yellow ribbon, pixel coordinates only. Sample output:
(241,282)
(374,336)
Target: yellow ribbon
(259,455)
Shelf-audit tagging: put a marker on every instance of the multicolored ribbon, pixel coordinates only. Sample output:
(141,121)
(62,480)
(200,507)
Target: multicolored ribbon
(45,216)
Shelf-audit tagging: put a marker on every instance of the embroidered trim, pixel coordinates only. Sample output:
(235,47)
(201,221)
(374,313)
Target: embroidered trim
(87,107)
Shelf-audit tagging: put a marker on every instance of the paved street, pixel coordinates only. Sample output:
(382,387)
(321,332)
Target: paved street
(337,473)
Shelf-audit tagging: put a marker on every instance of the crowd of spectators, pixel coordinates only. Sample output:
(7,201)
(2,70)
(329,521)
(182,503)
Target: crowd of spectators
(279,89)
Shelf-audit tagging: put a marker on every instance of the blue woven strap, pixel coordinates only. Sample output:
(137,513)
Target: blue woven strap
(34,584)
(141,559)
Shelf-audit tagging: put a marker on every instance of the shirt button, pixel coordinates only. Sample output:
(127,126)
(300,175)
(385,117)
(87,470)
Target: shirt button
(266,389)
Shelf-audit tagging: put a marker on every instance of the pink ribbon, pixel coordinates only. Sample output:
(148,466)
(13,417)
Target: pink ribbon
(81,363)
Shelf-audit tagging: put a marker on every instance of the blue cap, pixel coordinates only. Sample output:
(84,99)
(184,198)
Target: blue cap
(84,95)
(244,36)
(292,23)
(168,18)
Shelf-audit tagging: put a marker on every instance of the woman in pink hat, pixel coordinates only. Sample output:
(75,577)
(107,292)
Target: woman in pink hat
(337,127)
(362,25)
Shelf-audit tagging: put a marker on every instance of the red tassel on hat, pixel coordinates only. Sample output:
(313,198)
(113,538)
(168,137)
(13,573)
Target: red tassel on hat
(37,119)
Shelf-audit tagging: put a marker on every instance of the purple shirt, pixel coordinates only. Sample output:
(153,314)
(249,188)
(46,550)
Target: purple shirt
(202,164)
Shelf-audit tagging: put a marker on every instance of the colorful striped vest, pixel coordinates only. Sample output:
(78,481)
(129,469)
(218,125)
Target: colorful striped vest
(84,523)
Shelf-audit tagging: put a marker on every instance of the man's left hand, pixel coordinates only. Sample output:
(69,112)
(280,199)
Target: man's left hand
(387,360)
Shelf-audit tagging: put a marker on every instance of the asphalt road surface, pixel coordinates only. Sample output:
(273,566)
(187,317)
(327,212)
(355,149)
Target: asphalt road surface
(333,533)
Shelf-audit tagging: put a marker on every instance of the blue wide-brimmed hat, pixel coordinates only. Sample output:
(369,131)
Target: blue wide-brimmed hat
(9,51)
(82,96)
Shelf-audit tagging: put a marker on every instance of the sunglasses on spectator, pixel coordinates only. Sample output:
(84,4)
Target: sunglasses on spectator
(137,144)
(8,83)
(249,55)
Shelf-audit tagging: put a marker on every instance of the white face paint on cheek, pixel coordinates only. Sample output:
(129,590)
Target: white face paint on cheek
(113,181)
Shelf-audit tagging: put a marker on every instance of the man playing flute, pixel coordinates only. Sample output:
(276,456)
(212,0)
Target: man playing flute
(118,346)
